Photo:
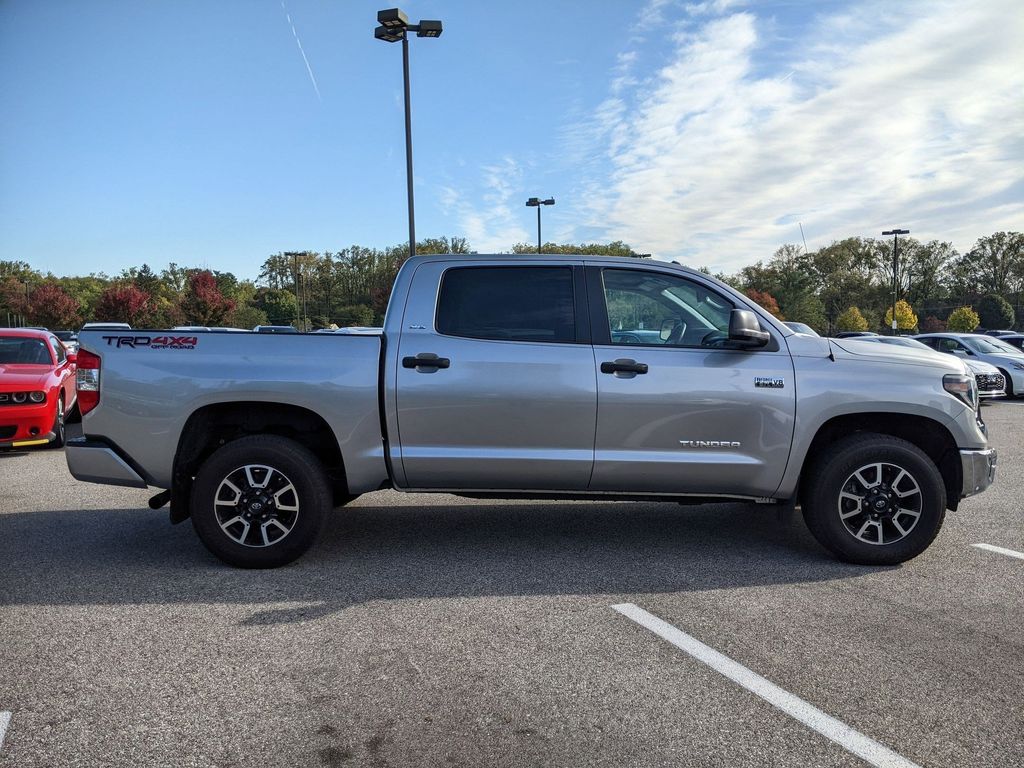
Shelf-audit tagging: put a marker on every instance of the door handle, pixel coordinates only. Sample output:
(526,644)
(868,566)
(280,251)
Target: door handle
(623,365)
(426,360)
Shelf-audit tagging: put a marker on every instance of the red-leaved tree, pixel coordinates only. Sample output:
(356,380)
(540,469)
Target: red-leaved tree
(203,303)
(124,303)
(51,307)
(766,300)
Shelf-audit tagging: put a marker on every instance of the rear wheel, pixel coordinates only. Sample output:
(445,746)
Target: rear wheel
(260,501)
(875,500)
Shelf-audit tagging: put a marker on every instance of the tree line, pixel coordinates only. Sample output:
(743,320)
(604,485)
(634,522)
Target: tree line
(306,289)
(847,285)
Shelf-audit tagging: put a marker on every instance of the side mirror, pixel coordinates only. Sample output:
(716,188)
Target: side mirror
(744,329)
(72,357)
(959,352)
(666,329)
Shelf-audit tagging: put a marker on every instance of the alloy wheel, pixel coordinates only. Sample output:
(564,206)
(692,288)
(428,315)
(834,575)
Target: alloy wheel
(880,503)
(256,505)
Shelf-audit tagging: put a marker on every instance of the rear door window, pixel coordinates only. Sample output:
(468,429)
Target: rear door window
(508,304)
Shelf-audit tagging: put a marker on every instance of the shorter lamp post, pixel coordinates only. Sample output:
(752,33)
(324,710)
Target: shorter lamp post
(895,271)
(536,202)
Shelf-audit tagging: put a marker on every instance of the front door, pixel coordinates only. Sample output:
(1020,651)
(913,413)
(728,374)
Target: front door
(679,411)
(509,400)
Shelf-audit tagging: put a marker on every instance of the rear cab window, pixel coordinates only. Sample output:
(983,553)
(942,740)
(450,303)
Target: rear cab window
(530,303)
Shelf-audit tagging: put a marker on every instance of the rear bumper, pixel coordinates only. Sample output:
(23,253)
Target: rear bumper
(979,470)
(92,461)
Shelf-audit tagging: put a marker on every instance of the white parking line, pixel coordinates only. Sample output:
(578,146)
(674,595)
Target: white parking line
(1001,551)
(854,741)
(5,719)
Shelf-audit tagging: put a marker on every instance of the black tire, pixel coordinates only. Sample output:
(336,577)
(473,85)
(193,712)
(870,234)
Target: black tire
(58,425)
(296,479)
(1007,383)
(859,531)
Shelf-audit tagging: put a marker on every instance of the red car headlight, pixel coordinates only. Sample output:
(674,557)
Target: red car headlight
(37,397)
(19,397)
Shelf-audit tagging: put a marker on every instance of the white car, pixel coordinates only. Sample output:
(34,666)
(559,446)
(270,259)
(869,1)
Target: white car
(988,378)
(987,349)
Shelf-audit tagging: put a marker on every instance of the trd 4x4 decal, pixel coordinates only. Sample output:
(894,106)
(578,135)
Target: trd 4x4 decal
(153,342)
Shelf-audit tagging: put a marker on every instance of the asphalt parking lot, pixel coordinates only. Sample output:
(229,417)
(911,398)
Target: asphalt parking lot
(430,630)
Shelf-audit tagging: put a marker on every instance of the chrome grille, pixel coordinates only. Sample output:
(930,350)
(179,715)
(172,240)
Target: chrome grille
(990,382)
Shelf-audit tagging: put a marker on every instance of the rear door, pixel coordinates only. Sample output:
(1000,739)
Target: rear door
(679,411)
(495,383)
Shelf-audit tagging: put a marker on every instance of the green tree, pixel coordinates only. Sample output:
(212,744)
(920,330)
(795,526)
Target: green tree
(355,314)
(277,304)
(615,248)
(995,312)
(851,319)
(247,316)
(998,262)
(962,320)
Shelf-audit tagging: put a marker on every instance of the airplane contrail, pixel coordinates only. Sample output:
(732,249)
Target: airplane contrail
(298,42)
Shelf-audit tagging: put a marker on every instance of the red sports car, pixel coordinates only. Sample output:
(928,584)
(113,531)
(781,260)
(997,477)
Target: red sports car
(37,388)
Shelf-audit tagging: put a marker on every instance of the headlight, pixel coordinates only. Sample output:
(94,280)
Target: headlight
(19,397)
(961,387)
(37,397)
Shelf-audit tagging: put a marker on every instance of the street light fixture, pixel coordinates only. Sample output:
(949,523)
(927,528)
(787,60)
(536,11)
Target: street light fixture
(536,202)
(395,26)
(895,270)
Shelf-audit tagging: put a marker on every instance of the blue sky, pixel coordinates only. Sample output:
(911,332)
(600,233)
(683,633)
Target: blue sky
(192,132)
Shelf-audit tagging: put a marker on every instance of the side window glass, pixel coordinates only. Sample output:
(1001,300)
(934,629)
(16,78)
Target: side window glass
(656,309)
(58,350)
(508,304)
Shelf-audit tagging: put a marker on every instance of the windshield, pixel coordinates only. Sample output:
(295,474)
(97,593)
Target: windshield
(986,346)
(15,350)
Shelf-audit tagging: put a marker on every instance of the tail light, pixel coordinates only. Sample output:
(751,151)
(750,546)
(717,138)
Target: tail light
(87,381)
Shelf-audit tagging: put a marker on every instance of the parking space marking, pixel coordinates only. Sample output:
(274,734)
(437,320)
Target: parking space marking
(1001,550)
(849,739)
(5,719)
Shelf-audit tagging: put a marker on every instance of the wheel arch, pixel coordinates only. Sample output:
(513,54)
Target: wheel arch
(212,426)
(931,436)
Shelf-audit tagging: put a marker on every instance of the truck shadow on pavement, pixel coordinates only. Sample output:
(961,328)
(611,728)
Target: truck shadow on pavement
(370,553)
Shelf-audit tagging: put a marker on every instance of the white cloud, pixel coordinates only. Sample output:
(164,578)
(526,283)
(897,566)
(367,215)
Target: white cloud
(497,224)
(917,122)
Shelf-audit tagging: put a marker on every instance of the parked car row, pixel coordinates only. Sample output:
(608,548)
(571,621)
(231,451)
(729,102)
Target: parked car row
(995,358)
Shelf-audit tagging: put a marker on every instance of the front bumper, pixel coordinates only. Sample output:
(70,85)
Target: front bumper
(25,425)
(979,470)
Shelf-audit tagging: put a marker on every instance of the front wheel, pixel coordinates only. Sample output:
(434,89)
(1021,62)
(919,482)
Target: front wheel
(58,425)
(1008,383)
(260,501)
(875,500)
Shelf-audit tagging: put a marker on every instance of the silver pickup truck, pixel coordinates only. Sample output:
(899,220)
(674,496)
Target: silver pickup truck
(533,377)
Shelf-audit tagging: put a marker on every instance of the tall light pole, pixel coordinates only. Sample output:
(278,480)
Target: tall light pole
(395,26)
(895,270)
(536,202)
